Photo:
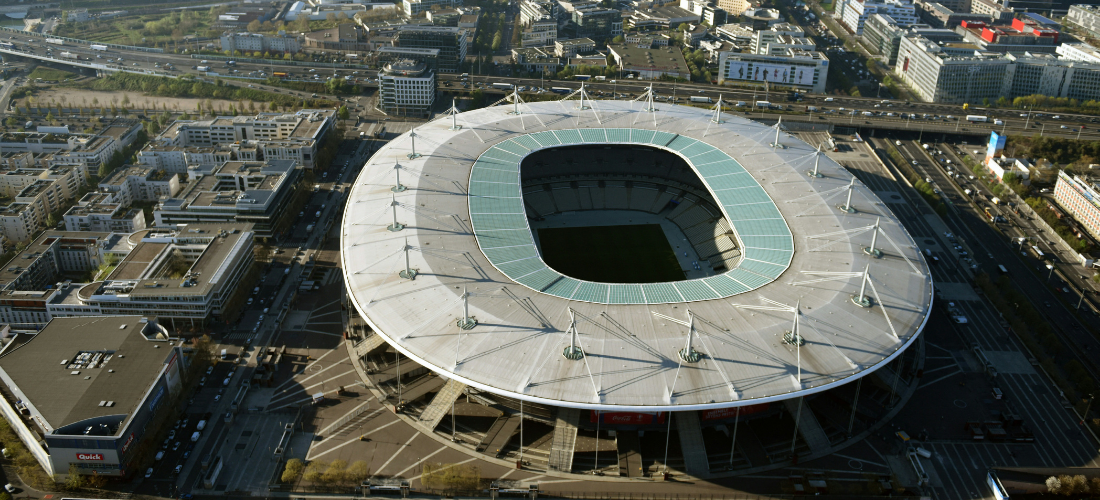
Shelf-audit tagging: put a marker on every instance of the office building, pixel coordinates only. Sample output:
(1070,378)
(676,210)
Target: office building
(271,136)
(99,212)
(451,43)
(574,46)
(413,8)
(708,12)
(854,13)
(536,60)
(734,7)
(1080,198)
(539,33)
(962,73)
(798,68)
(259,42)
(533,11)
(938,15)
(94,410)
(650,63)
(778,37)
(406,88)
(251,192)
(1085,17)
(663,17)
(386,55)
(1021,36)
(600,25)
(131,183)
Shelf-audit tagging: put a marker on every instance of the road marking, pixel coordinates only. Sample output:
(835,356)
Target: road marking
(468,460)
(418,462)
(398,452)
(321,383)
(337,447)
(319,332)
(308,367)
(300,381)
(335,424)
(945,377)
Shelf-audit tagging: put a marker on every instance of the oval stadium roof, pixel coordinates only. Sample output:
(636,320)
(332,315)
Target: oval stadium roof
(461,215)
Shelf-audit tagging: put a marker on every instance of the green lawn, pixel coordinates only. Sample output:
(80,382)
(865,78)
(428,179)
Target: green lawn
(50,74)
(611,254)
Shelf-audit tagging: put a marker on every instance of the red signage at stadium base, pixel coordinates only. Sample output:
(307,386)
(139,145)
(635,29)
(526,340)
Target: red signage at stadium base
(628,418)
(89,456)
(721,413)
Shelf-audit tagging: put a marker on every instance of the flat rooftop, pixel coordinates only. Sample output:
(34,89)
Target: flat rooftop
(43,372)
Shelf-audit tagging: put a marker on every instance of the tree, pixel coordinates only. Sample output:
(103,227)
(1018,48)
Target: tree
(343,113)
(330,17)
(75,481)
(497,39)
(618,39)
(336,472)
(292,470)
(254,26)
(315,471)
(359,470)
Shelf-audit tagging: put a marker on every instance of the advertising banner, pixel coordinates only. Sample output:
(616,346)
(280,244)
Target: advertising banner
(775,73)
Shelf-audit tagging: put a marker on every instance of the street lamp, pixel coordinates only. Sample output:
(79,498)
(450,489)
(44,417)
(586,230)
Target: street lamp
(1087,407)
(1051,273)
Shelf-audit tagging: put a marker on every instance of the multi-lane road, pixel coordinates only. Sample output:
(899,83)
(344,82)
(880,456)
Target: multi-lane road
(929,117)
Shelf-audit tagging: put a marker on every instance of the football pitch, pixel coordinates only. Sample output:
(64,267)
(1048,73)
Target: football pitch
(611,254)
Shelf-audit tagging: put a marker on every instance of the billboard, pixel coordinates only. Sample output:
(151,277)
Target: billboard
(89,456)
(774,73)
(996,145)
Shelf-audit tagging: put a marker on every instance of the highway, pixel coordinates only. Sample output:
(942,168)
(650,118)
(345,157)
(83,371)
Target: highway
(32,45)
(989,248)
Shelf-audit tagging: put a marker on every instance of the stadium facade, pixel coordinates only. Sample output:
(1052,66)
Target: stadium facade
(798,282)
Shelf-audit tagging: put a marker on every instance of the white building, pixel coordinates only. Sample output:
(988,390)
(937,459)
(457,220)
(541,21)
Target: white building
(413,8)
(406,88)
(853,13)
(99,212)
(259,42)
(273,136)
(960,73)
(801,69)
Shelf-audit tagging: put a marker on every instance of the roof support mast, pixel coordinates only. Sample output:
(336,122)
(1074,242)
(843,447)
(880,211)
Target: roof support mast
(862,300)
(397,188)
(688,353)
(412,137)
(817,161)
(574,351)
(408,273)
(395,226)
(466,322)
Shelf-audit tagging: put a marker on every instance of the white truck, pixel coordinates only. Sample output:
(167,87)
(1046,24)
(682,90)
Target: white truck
(977,118)
(195,436)
(763,104)
(203,69)
(70,55)
(96,46)
(995,200)
(699,98)
(201,425)
(55,41)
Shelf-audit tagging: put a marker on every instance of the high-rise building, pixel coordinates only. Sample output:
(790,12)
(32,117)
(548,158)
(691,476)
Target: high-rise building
(406,88)
(451,43)
(1080,197)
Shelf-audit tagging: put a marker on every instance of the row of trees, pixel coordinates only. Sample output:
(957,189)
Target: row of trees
(320,472)
(189,87)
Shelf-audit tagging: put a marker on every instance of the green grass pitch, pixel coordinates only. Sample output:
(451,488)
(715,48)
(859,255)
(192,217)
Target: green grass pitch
(611,254)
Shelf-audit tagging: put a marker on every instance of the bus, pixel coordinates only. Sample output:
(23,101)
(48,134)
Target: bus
(502,86)
(279,74)
(582,78)
(561,90)
(7,45)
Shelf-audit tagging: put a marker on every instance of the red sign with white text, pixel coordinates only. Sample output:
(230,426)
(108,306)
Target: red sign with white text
(89,456)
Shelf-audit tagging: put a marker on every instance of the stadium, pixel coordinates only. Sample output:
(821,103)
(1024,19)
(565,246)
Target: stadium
(628,288)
